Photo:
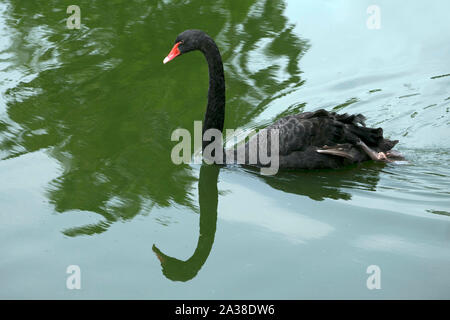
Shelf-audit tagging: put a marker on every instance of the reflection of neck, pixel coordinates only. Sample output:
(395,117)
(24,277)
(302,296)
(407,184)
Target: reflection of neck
(178,270)
(215,110)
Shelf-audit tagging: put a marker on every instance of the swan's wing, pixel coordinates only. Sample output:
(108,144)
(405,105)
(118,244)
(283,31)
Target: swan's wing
(311,131)
(319,128)
(293,133)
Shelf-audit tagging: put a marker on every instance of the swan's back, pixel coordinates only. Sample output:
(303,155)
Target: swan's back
(301,135)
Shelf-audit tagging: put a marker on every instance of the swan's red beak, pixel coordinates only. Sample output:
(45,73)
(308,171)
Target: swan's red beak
(173,53)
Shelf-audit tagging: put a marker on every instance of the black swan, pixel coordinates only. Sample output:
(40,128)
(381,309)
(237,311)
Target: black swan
(309,140)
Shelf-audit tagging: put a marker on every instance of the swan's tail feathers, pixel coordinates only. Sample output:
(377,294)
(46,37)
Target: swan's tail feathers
(386,144)
(355,119)
(339,150)
(354,130)
(372,136)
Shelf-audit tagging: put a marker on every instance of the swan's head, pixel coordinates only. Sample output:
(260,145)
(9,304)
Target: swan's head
(186,41)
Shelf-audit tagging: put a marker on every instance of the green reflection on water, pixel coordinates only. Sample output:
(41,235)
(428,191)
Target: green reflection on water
(103,104)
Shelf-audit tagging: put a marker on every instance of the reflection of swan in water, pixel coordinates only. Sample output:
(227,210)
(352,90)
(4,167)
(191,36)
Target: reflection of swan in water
(317,185)
(178,270)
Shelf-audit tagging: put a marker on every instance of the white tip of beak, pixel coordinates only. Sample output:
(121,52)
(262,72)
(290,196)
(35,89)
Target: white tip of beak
(166,59)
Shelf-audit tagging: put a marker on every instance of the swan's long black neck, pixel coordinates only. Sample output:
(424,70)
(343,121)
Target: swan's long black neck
(215,111)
